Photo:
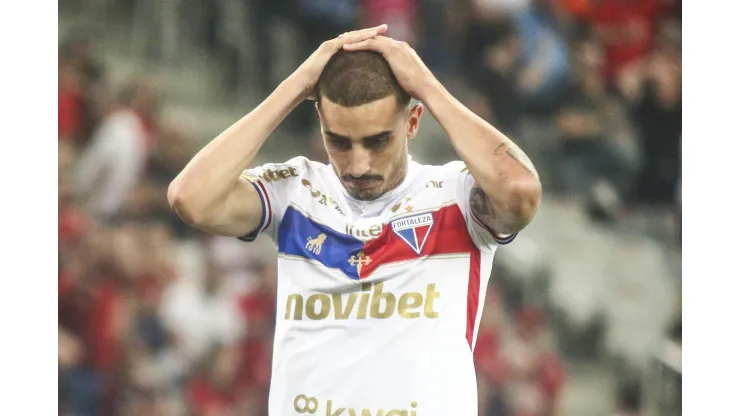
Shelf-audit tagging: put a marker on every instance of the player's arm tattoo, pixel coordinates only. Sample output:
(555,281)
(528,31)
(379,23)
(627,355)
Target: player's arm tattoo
(501,220)
(485,211)
(512,151)
(481,206)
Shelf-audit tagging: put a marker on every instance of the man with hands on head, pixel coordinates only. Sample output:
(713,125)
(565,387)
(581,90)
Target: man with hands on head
(383,262)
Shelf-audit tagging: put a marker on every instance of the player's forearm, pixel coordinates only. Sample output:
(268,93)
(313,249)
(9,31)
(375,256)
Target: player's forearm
(214,171)
(500,168)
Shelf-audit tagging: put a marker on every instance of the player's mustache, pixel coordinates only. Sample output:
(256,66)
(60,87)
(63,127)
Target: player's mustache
(363,178)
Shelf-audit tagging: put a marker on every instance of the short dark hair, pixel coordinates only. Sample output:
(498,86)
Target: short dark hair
(355,78)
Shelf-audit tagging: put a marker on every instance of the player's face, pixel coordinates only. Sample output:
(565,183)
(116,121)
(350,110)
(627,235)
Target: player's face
(368,144)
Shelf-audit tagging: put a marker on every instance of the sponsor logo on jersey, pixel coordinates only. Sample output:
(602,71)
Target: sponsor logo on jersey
(370,302)
(271,175)
(314,244)
(434,184)
(321,197)
(305,404)
(363,234)
(414,230)
(398,205)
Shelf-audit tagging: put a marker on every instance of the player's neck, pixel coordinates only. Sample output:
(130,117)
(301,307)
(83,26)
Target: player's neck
(403,173)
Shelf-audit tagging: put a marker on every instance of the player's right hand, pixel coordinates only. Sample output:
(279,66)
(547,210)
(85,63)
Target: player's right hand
(310,70)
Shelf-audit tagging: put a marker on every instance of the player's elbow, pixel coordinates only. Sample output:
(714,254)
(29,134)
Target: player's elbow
(183,204)
(524,198)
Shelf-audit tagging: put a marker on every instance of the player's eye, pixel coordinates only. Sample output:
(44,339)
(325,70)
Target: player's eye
(340,144)
(376,144)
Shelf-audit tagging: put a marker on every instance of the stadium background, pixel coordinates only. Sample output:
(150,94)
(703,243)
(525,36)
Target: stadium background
(583,316)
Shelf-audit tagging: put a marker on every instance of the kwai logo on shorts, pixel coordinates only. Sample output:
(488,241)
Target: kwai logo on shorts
(309,405)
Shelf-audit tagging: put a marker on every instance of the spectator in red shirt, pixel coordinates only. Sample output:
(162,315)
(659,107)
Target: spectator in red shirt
(89,303)
(490,367)
(72,221)
(535,373)
(69,103)
(258,307)
(111,166)
(626,27)
(214,392)
(79,54)
(399,15)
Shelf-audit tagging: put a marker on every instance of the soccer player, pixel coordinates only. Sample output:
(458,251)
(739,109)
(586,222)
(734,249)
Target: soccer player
(383,262)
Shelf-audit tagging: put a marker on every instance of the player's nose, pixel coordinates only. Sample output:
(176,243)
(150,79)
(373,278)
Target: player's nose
(358,162)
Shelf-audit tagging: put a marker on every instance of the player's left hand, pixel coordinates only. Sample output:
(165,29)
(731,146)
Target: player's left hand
(412,74)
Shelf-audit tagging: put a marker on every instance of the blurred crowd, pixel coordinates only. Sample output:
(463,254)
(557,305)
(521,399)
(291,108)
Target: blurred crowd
(603,78)
(156,318)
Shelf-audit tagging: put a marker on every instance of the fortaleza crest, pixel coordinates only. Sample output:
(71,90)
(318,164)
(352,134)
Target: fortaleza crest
(414,230)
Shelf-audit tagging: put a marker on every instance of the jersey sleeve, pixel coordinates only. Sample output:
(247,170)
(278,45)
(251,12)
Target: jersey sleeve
(274,183)
(484,237)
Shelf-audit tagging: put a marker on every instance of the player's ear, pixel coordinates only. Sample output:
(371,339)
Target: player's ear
(414,118)
(317,105)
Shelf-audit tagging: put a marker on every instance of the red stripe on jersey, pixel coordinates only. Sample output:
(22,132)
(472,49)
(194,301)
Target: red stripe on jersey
(448,235)
(269,207)
(473,295)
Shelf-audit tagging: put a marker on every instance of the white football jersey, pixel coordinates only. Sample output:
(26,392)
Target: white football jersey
(378,303)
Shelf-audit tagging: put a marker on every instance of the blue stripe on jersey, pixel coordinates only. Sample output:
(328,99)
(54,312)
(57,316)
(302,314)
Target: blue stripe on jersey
(301,236)
(500,240)
(253,235)
(504,240)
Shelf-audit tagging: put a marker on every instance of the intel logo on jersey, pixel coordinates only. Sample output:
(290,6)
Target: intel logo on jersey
(414,231)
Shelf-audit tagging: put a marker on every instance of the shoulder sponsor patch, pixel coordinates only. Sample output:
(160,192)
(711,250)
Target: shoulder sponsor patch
(273,174)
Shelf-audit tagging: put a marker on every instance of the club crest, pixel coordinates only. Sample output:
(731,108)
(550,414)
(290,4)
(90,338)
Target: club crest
(414,230)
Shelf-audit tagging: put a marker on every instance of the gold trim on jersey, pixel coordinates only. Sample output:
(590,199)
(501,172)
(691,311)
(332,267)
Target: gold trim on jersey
(424,211)
(380,268)
(310,216)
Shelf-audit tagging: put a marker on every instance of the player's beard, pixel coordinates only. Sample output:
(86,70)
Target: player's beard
(373,192)
(377,185)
